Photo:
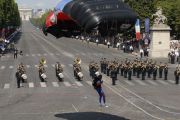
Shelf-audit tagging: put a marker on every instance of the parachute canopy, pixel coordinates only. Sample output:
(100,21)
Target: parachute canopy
(89,15)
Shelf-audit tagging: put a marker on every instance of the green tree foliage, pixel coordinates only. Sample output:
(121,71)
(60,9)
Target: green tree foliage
(171,9)
(9,14)
(39,22)
(144,9)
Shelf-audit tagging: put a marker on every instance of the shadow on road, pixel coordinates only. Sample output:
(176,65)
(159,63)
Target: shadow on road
(89,116)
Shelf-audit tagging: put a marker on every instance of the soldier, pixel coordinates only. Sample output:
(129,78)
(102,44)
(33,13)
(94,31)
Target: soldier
(161,66)
(108,68)
(155,67)
(102,65)
(176,74)
(165,71)
(122,68)
(113,74)
(143,69)
(138,70)
(134,67)
(15,53)
(125,70)
(129,71)
(149,70)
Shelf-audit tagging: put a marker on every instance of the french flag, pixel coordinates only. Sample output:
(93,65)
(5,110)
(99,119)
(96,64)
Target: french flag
(138,32)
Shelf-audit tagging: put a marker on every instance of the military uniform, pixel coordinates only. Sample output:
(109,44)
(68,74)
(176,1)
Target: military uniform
(113,75)
(176,74)
(155,67)
(143,69)
(160,70)
(165,72)
(129,72)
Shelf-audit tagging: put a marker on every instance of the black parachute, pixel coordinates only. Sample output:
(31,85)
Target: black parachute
(101,15)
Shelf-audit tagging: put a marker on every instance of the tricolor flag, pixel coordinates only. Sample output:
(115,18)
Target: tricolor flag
(138,32)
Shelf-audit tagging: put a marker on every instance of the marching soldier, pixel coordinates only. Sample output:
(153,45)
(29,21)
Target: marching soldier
(155,68)
(176,74)
(125,70)
(149,70)
(102,64)
(161,66)
(108,68)
(113,74)
(122,68)
(138,70)
(129,71)
(143,69)
(165,71)
(134,67)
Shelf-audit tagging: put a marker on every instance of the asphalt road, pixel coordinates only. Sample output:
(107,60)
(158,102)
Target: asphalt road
(74,100)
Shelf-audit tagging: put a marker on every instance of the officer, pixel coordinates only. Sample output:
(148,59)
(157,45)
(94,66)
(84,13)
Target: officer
(149,70)
(138,70)
(18,78)
(102,65)
(155,67)
(15,53)
(176,74)
(143,69)
(122,68)
(134,68)
(108,68)
(160,69)
(125,71)
(113,74)
(165,71)
(129,71)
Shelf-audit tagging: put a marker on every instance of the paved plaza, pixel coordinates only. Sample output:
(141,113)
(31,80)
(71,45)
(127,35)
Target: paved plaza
(77,100)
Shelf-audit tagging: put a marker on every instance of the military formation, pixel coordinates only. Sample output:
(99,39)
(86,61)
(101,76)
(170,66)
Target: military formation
(141,69)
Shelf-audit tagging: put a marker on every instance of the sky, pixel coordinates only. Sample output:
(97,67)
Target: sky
(35,4)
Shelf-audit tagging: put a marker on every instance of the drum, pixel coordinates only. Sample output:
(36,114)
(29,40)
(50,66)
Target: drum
(80,74)
(61,75)
(24,76)
(43,76)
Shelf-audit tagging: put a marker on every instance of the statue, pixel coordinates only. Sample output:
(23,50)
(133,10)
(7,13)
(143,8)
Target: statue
(160,18)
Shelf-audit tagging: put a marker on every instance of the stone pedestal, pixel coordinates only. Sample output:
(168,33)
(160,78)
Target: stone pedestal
(160,41)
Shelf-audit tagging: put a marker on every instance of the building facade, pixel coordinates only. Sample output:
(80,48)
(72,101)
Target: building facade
(25,13)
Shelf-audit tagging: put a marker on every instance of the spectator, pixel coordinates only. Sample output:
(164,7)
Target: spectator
(141,52)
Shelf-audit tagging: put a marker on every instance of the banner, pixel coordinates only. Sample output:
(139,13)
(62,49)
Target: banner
(138,32)
(147,25)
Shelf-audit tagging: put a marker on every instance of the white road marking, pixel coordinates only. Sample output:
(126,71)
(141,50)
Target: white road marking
(62,65)
(33,55)
(55,84)
(75,108)
(67,84)
(39,54)
(6,86)
(36,66)
(51,54)
(129,82)
(11,67)
(8,56)
(3,67)
(31,85)
(28,66)
(43,84)
(89,83)
(152,82)
(27,55)
(163,82)
(140,82)
(79,84)
(53,65)
(45,54)
(45,66)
